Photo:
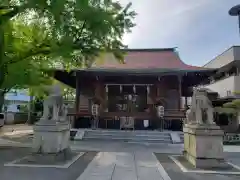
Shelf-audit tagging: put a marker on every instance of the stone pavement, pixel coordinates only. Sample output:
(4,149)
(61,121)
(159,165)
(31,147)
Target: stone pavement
(20,134)
(104,161)
(114,161)
(124,166)
(131,147)
(9,154)
(175,172)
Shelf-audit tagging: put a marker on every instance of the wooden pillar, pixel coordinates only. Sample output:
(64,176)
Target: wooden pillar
(158,88)
(77,98)
(180,90)
(186,102)
(106,98)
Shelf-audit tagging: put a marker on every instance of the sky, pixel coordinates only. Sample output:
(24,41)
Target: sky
(200,29)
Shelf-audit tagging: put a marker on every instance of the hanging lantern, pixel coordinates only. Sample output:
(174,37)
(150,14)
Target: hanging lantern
(148,90)
(134,89)
(95,109)
(106,88)
(160,111)
(130,97)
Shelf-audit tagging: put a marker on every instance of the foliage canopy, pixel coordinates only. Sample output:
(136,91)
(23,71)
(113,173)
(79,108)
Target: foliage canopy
(40,34)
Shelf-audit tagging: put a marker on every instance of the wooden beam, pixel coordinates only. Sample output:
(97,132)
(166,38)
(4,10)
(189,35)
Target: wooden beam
(77,100)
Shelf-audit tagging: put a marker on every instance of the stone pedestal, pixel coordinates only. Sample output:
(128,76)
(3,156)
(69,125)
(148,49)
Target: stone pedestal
(51,137)
(203,145)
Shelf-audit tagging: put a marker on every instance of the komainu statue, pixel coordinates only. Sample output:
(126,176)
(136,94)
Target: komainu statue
(53,106)
(201,110)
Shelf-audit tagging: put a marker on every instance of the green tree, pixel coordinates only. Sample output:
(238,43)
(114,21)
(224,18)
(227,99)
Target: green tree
(235,104)
(41,34)
(20,38)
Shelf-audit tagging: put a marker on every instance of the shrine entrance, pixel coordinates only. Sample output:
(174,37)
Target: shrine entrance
(125,102)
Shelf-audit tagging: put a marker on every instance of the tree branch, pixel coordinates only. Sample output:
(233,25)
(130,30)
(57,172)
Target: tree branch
(8,89)
(83,26)
(13,11)
(6,7)
(44,51)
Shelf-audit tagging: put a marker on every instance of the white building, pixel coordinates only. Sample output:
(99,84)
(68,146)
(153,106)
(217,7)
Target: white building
(15,98)
(226,81)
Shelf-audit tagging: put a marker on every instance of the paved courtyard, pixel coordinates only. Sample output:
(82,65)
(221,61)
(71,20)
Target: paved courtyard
(106,161)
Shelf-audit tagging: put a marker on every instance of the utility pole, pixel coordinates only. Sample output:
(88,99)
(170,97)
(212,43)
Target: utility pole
(235,11)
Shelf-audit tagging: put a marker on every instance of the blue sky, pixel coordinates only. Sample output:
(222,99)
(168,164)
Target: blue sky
(201,29)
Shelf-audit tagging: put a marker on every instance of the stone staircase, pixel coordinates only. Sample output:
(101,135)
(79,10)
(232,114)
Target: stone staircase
(128,136)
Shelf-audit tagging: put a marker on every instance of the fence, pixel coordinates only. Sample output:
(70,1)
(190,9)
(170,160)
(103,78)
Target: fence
(231,138)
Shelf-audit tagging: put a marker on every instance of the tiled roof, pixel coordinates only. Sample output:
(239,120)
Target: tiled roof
(147,59)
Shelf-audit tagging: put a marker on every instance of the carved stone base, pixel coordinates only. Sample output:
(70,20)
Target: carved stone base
(127,122)
(51,137)
(203,145)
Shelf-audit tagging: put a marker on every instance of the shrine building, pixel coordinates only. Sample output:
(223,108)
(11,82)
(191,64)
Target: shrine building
(129,93)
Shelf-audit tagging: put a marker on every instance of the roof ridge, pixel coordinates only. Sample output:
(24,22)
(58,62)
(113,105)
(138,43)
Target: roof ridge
(149,49)
(180,59)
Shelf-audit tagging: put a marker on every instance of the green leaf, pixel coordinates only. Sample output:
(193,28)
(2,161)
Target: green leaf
(36,35)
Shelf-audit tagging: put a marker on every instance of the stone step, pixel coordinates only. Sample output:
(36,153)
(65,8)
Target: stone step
(151,141)
(127,131)
(127,134)
(126,137)
(130,140)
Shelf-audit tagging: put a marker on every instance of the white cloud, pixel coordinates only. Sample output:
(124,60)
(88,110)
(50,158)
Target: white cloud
(201,29)
(159,20)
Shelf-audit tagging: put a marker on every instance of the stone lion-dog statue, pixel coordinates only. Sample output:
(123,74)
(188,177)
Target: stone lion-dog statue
(201,110)
(53,106)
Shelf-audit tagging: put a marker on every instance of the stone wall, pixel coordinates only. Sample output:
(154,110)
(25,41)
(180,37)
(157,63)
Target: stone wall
(18,118)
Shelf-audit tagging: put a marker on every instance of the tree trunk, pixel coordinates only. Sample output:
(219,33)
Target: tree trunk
(2,70)
(1,101)
(30,105)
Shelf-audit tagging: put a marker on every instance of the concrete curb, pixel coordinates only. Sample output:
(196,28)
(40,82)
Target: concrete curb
(79,135)
(175,137)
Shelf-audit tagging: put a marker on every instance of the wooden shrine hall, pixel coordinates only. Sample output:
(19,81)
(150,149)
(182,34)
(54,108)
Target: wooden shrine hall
(131,91)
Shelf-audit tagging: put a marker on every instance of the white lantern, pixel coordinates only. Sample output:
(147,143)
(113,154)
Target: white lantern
(129,97)
(160,111)
(134,89)
(148,89)
(106,88)
(95,109)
